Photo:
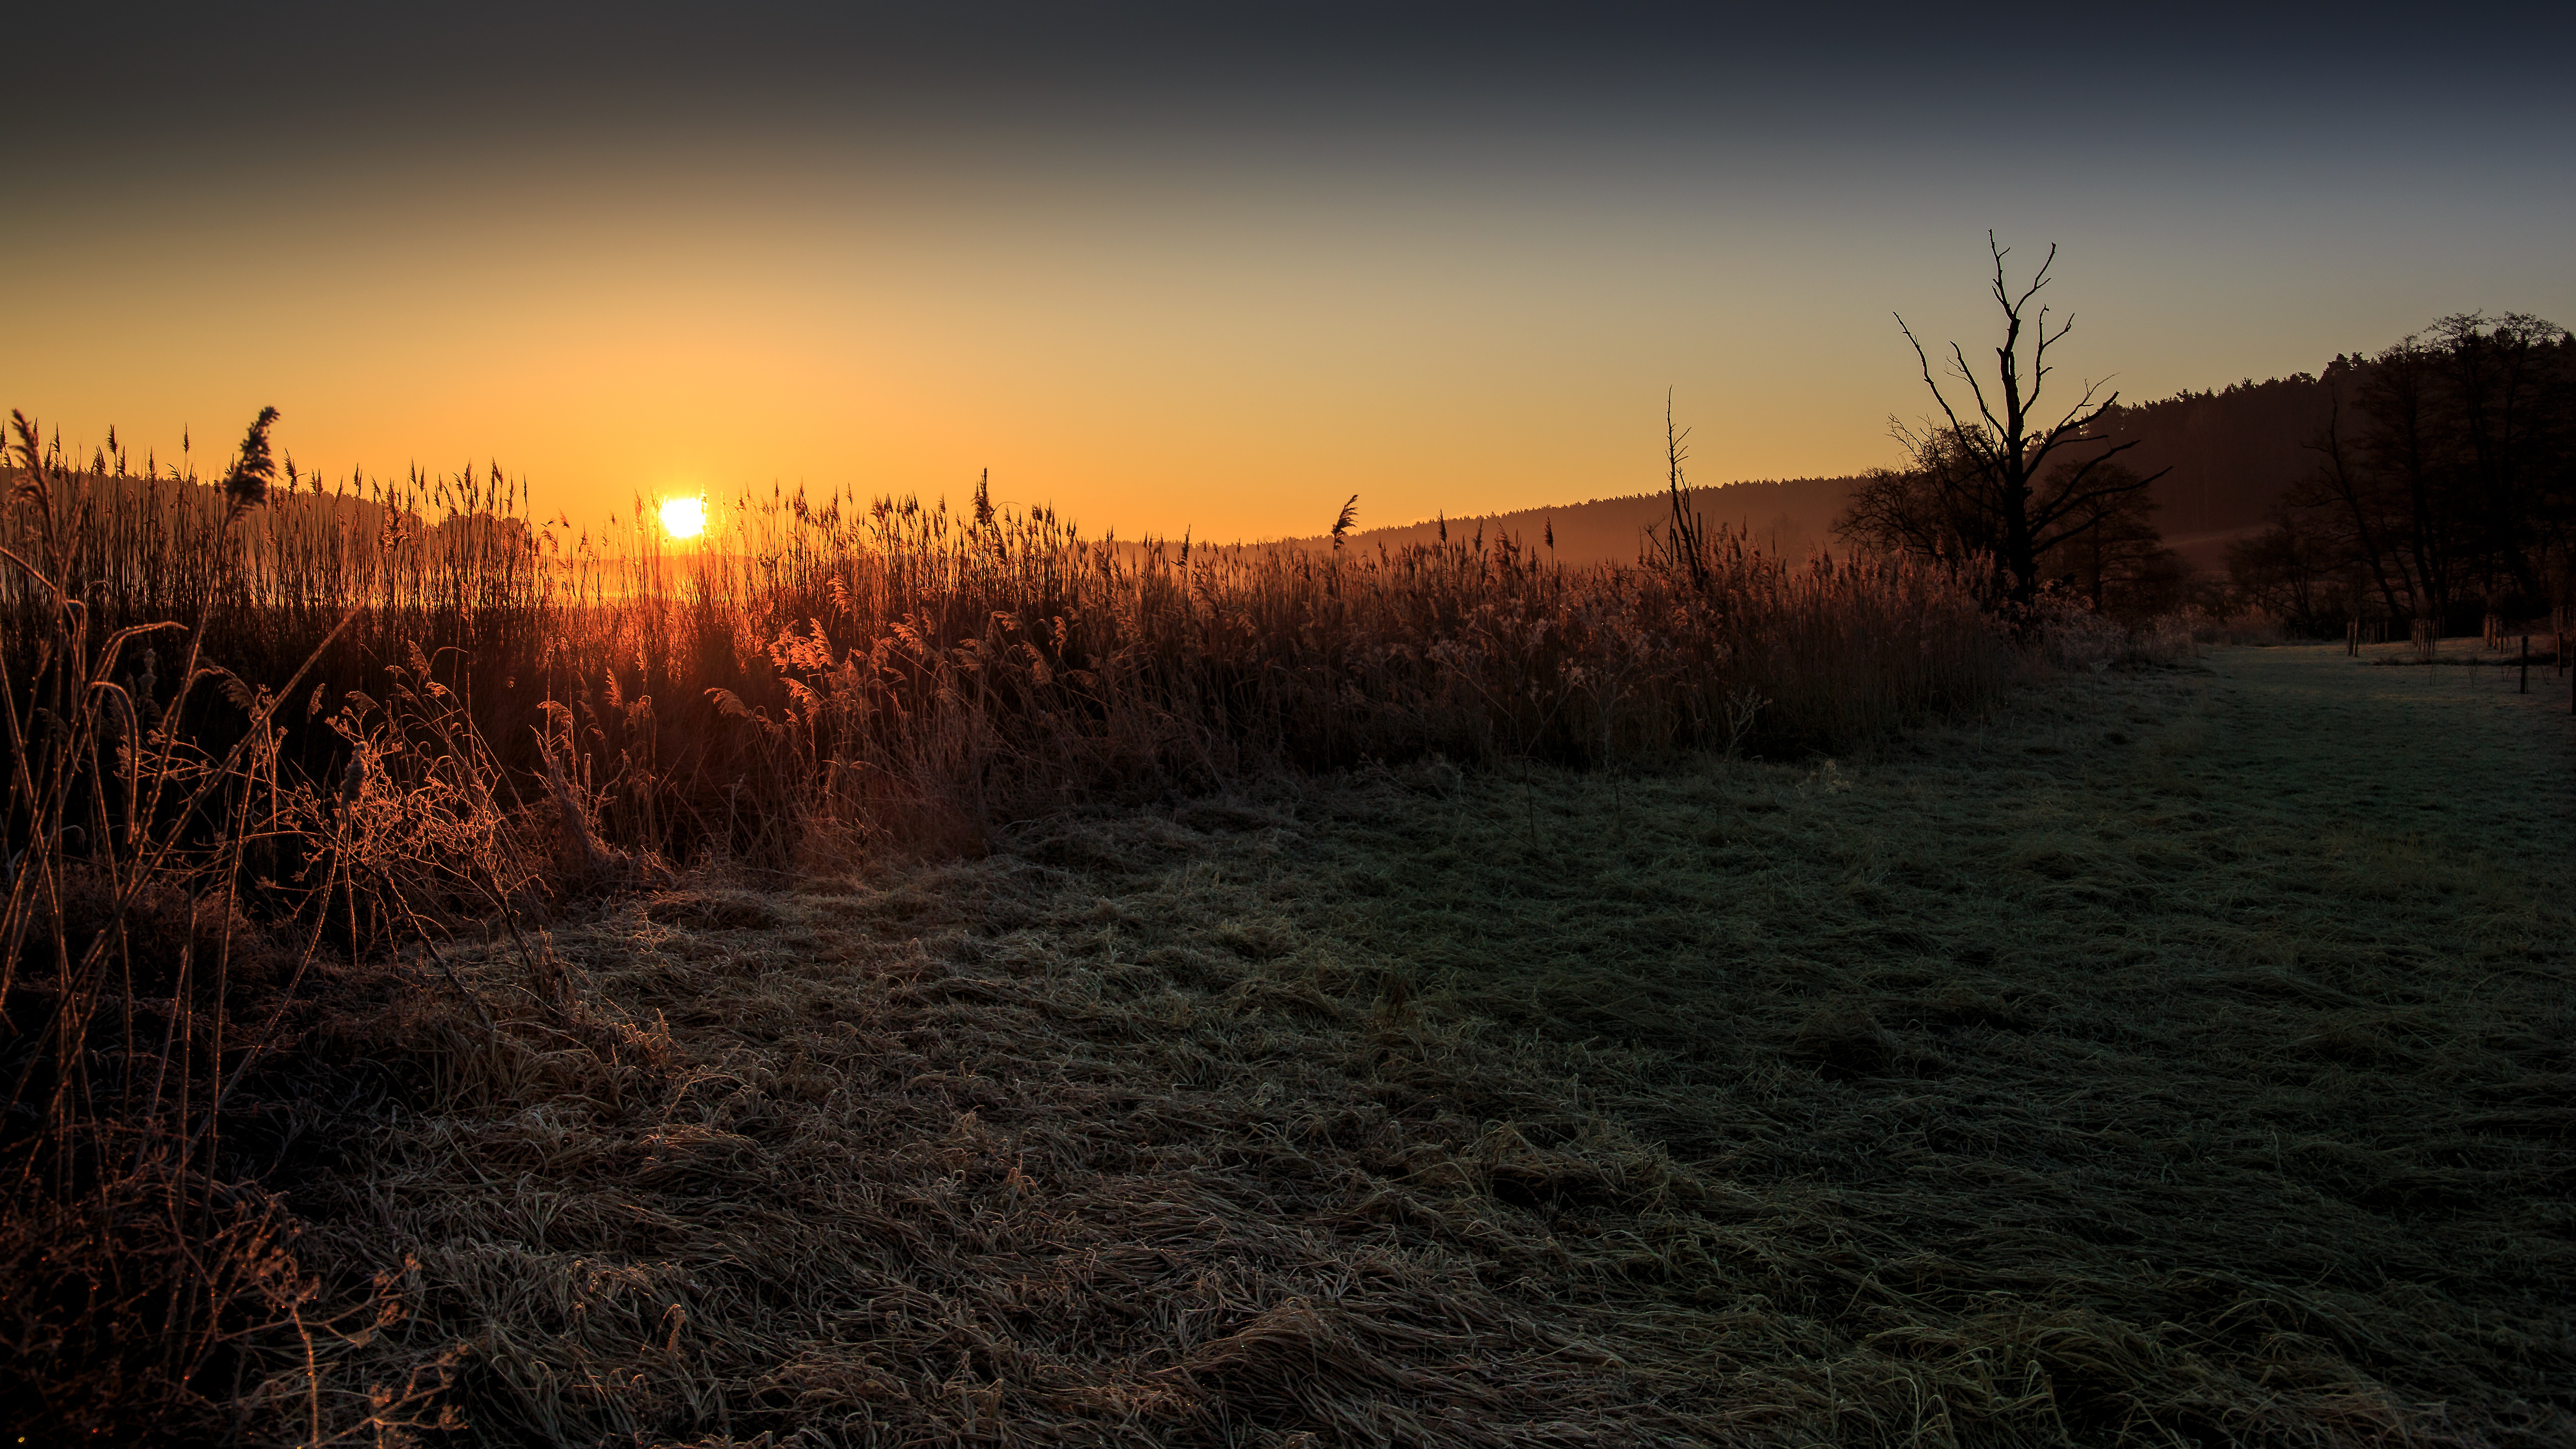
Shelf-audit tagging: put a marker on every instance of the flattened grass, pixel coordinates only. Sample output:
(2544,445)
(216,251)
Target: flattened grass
(2177,1058)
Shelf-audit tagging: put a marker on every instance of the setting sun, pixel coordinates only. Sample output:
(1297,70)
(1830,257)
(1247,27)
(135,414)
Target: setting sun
(684,517)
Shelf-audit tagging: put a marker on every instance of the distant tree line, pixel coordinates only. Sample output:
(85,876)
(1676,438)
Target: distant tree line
(2435,479)
(2442,485)
(2226,453)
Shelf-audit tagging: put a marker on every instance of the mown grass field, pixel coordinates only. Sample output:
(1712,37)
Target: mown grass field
(2177,1057)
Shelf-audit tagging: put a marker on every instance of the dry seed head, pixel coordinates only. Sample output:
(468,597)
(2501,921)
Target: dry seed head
(246,482)
(30,485)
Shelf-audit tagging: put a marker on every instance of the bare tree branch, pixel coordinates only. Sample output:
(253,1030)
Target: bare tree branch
(2002,484)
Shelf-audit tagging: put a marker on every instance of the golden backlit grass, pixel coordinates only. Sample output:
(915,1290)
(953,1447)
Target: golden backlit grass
(259,736)
(842,673)
(2174,1058)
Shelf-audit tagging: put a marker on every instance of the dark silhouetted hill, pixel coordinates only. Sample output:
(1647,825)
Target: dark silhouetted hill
(2230,455)
(2232,452)
(1792,518)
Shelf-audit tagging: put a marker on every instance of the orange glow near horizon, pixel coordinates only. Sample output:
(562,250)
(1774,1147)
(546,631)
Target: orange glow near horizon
(1154,351)
(1124,373)
(684,518)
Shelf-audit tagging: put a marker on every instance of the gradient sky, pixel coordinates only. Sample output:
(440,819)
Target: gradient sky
(1194,266)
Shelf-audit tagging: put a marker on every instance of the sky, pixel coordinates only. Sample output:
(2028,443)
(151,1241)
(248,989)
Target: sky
(1218,268)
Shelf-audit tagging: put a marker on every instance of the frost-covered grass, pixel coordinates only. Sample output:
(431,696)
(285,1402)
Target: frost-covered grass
(2169,1058)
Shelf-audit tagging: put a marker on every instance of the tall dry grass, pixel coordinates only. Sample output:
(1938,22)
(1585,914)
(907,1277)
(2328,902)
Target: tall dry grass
(169,880)
(898,673)
(259,732)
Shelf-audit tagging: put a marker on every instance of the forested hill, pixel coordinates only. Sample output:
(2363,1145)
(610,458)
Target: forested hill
(2231,453)
(1792,517)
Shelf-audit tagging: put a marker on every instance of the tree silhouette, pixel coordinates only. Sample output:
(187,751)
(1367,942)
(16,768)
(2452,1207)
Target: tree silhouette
(2444,485)
(2001,484)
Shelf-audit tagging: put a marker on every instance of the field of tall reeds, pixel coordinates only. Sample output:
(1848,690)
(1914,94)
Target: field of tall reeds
(862,670)
(263,734)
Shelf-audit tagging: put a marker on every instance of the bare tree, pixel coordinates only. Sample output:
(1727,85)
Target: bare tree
(2000,483)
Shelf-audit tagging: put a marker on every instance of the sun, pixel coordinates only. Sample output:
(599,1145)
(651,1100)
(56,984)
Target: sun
(684,517)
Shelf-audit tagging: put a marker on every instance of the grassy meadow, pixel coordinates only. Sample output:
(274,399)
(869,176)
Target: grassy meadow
(904,975)
(2118,1068)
